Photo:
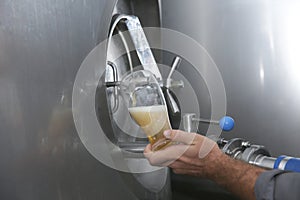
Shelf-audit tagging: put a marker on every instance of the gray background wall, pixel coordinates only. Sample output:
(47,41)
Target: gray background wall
(256,45)
(42,44)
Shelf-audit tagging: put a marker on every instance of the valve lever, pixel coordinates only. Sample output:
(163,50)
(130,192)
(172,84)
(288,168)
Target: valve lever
(226,123)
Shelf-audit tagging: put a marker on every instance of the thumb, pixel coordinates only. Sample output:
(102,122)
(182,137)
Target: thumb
(180,136)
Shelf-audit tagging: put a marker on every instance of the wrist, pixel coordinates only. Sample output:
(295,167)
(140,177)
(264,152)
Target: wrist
(213,163)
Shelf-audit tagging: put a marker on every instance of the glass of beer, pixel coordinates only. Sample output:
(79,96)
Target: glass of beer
(147,107)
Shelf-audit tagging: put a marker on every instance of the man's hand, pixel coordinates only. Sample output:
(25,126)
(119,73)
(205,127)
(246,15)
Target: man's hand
(193,154)
(197,155)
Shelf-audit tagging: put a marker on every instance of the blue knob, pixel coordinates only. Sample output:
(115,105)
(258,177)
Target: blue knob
(226,123)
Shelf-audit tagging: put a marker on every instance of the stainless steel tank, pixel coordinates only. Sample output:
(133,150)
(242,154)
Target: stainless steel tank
(255,45)
(43,44)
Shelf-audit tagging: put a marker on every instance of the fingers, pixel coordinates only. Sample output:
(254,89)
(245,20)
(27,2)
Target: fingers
(189,148)
(148,149)
(180,136)
(166,156)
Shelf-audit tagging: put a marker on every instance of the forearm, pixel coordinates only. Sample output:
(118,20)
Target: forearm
(235,176)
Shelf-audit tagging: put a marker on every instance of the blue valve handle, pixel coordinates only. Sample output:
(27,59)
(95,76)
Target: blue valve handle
(226,123)
(287,163)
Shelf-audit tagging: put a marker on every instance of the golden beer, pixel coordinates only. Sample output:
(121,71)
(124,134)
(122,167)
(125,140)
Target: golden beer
(154,121)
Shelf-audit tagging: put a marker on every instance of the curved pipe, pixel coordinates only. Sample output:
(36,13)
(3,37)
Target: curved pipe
(113,27)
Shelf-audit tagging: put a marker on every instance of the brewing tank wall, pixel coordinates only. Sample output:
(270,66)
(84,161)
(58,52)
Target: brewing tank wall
(255,45)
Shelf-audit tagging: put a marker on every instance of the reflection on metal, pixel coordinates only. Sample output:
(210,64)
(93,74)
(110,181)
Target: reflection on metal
(111,79)
(142,46)
(42,46)
(140,42)
(131,146)
(255,44)
(172,103)
(111,31)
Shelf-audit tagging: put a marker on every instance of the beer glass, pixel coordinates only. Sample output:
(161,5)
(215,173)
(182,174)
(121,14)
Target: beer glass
(146,105)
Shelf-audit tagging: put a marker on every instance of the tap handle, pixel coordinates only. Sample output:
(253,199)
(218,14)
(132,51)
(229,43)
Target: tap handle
(226,123)
(175,64)
(171,100)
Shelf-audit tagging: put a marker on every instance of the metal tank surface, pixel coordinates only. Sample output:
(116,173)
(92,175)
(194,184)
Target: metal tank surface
(42,45)
(255,44)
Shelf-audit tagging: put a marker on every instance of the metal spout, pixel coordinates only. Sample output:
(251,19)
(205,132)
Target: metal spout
(140,43)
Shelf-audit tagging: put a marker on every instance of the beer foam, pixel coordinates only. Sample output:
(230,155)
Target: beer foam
(152,119)
(147,109)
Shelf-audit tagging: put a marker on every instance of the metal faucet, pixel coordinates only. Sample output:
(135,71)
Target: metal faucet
(140,42)
(144,53)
